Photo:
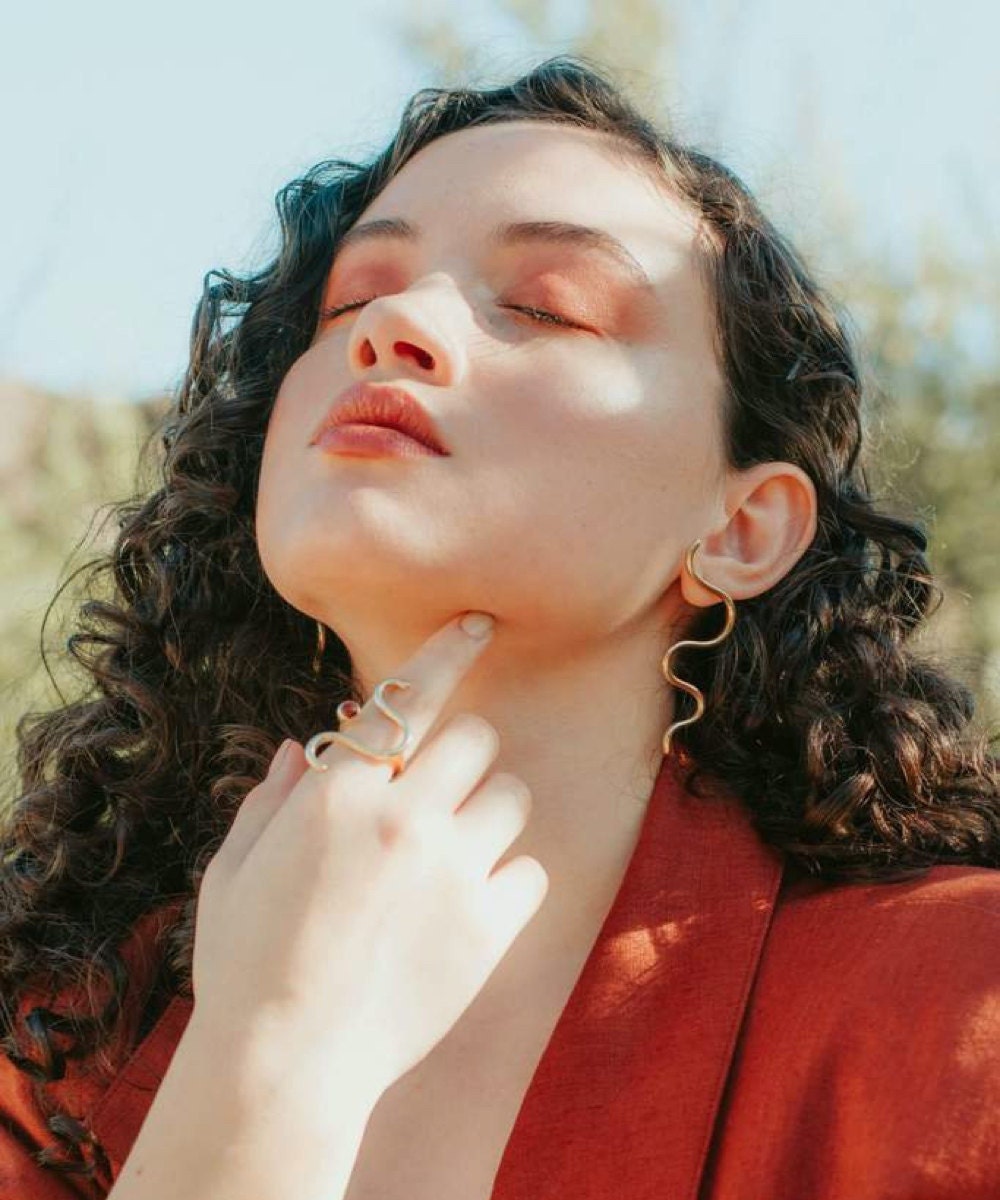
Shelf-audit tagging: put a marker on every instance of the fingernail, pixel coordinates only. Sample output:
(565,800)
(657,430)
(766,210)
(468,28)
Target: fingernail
(477,625)
(279,756)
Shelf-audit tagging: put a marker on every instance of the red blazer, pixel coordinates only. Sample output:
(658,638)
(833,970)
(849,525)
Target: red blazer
(728,1038)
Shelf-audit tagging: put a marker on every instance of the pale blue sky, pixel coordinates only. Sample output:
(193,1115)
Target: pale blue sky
(142,144)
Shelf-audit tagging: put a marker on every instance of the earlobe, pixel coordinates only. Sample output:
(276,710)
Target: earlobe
(693,576)
(773,516)
(701,577)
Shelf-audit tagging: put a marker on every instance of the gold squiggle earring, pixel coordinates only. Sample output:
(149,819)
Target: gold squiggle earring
(690,688)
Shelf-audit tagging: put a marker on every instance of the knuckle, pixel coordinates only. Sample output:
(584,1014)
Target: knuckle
(524,800)
(515,787)
(477,730)
(402,826)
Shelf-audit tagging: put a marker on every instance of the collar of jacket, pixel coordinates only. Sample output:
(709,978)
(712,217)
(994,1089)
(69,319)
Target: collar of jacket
(627,1093)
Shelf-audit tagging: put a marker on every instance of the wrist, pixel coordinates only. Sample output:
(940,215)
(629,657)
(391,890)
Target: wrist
(226,1123)
(270,1061)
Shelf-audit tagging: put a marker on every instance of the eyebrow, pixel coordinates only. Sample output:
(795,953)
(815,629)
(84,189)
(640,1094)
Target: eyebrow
(519,232)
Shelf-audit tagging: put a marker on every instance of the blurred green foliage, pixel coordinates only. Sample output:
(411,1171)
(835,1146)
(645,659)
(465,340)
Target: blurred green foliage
(61,459)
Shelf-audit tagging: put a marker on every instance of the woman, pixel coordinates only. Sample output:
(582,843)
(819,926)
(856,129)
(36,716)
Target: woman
(584,936)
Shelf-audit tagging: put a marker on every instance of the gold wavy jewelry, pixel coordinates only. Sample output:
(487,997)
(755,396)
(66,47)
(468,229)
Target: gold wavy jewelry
(690,688)
(347,710)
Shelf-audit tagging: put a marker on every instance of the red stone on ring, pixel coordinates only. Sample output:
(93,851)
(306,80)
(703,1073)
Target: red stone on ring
(348,709)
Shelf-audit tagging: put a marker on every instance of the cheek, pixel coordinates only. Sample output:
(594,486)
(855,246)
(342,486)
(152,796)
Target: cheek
(304,394)
(271,504)
(674,438)
(629,465)
(272,464)
(289,429)
(302,399)
(570,393)
(625,415)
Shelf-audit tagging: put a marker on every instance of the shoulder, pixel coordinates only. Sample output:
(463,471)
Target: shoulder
(898,982)
(940,886)
(875,1024)
(934,937)
(952,910)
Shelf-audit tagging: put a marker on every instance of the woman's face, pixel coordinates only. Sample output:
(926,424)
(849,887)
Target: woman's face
(586,451)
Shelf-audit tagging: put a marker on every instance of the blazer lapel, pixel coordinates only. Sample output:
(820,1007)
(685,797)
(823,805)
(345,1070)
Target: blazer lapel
(625,1097)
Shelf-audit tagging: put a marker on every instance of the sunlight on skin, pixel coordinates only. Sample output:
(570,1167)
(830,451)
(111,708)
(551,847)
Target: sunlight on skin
(581,407)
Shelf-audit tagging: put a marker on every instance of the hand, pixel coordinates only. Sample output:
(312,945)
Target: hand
(347,914)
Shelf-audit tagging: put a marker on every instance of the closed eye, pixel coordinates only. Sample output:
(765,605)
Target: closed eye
(541,314)
(329,313)
(538,314)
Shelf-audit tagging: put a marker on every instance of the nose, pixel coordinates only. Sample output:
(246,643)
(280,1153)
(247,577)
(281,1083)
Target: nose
(403,334)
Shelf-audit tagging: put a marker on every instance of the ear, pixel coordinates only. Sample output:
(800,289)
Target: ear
(771,523)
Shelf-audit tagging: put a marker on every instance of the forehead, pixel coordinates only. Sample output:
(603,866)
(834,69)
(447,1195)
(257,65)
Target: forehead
(468,181)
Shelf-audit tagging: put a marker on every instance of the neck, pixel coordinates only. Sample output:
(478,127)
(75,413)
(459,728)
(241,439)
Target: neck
(583,726)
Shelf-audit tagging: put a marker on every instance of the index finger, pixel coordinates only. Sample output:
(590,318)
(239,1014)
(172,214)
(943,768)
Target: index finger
(399,719)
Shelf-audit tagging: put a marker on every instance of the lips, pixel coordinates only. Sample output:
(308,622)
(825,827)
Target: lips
(391,407)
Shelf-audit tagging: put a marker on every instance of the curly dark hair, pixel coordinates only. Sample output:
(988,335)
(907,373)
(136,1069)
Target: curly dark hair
(855,757)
